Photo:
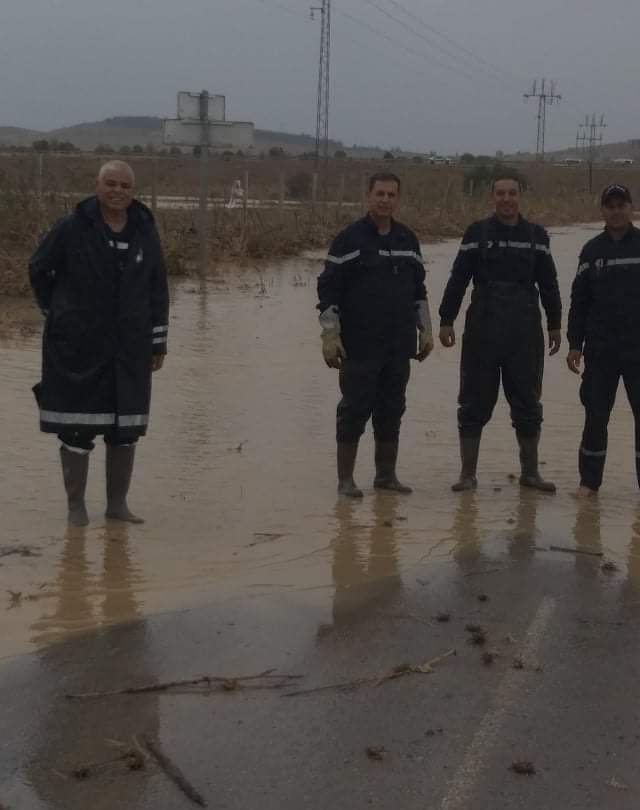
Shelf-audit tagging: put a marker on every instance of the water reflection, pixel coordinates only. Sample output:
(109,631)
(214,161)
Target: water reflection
(365,566)
(465,535)
(630,591)
(69,735)
(522,541)
(587,534)
(84,598)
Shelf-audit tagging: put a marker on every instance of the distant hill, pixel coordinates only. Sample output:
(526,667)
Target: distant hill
(608,151)
(144,131)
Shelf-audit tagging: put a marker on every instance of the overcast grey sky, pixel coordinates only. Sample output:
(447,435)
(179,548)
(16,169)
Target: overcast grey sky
(394,82)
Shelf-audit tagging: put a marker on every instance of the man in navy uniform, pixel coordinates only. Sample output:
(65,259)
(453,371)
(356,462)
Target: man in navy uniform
(604,328)
(509,261)
(372,299)
(99,277)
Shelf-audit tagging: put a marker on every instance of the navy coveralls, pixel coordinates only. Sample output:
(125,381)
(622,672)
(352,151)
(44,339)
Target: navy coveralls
(604,324)
(374,281)
(512,269)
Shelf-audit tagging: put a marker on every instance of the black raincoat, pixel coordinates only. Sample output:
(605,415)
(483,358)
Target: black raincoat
(106,315)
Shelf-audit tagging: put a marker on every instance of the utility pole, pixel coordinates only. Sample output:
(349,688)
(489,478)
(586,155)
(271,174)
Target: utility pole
(322,113)
(204,182)
(590,138)
(546,94)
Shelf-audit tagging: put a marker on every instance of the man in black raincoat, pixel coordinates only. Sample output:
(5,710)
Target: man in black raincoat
(604,326)
(99,277)
(511,266)
(374,318)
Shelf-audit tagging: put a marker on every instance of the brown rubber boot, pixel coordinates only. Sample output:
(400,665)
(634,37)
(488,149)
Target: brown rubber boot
(469,450)
(119,470)
(386,458)
(530,476)
(75,468)
(346,464)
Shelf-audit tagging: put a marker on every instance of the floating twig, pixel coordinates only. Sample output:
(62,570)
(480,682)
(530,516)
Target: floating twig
(173,772)
(226,684)
(567,550)
(376,680)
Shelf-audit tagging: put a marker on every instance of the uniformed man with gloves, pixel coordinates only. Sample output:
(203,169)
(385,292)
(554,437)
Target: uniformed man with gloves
(372,299)
(604,328)
(509,261)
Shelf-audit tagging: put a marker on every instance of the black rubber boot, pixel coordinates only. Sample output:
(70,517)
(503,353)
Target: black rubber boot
(75,468)
(346,464)
(469,450)
(530,476)
(386,458)
(119,469)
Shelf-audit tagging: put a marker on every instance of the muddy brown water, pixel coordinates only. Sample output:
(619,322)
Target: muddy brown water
(236,477)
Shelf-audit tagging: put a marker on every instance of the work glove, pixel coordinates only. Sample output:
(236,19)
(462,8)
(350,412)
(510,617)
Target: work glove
(332,348)
(425,332)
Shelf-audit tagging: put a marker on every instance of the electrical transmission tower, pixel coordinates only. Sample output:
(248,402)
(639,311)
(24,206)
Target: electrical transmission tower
(546,94)
(589,137)
(322,117)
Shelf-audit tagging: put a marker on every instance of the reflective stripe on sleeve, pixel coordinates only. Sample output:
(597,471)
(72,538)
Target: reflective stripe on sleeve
(342,259)
(621,262)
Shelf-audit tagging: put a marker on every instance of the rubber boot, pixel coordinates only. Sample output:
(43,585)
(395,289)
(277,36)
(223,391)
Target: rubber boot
(469,450)
(386,457)
(119,469)
(75,468)
(530,476)
(346,464)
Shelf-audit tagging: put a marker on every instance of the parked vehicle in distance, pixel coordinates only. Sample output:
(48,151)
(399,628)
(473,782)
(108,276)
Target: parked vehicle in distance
(436,160)
(623,161)
(571,162)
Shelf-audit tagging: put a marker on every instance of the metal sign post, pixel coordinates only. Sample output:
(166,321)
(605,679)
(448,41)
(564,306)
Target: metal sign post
(202,122)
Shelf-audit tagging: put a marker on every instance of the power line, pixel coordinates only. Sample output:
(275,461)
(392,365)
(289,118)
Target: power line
(479,59)
(429,42)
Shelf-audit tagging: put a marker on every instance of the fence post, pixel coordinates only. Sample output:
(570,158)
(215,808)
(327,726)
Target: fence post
(340,195)
(245,212)
(281,196)
(154,186)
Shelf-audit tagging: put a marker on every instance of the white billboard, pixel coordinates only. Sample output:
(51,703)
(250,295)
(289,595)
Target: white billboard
(222,134)
(189,107)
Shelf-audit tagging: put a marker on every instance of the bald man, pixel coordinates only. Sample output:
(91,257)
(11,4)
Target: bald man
(100,280)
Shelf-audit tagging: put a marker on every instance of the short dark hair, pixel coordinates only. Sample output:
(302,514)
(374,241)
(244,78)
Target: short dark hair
(507,175)
(383,177)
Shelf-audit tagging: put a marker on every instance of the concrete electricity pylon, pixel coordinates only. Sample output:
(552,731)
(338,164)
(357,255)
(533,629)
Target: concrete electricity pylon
(546,94)
(322,115)
(589,137)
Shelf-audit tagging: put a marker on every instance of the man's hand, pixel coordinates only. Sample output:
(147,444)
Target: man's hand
(555,339)
(333,350)
(425,345)
(574,358)
(157,361)
(447,336)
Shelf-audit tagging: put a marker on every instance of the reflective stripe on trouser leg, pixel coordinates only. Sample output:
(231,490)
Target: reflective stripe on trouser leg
(597,394)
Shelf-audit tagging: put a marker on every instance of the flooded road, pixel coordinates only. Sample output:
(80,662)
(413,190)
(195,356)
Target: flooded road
(236,477)
(246,539)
